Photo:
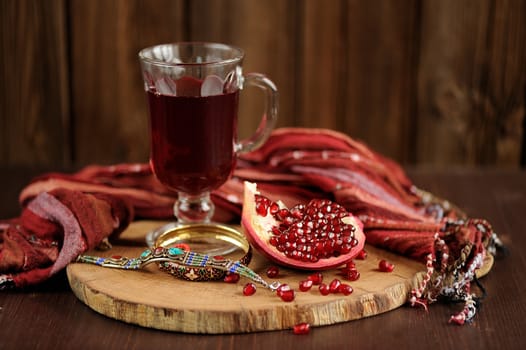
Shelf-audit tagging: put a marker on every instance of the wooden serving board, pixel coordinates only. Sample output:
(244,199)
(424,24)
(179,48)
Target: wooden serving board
(155,299)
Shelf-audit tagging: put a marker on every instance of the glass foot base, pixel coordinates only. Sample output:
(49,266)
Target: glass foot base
(208,238)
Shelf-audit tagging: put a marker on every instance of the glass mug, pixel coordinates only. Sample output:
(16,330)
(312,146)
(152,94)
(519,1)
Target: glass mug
(193,95)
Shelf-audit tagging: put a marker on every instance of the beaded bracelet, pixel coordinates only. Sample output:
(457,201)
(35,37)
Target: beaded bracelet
(195,234)
(180,258)
(188,265)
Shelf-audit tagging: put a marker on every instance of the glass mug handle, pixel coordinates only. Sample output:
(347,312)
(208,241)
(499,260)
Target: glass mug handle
(270,115)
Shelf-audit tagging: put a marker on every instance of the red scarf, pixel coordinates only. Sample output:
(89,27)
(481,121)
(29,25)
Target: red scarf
(66,214)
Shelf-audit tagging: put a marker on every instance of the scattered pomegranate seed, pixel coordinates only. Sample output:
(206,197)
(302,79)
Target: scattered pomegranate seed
(288,295)
(324,289)
(362,255)
(285,292)
(301,328)
(351,274)
(349,271)
(335,285)
(385,266)
(282,289)
(305,285)
(231,278)
(316,278)
(345,289)
(273,271)
(249,289)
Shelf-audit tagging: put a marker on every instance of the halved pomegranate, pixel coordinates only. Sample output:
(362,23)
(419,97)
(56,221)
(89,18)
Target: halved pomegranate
(317,236)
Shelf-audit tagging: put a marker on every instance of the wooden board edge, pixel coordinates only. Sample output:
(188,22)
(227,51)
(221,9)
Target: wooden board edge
(322,314)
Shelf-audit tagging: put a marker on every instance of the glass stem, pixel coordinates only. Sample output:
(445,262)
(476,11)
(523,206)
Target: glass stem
(194,208)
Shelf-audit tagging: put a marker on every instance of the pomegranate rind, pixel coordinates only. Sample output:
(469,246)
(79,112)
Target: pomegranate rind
(257,232)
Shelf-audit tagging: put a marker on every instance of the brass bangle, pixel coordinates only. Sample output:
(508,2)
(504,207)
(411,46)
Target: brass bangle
(197,234)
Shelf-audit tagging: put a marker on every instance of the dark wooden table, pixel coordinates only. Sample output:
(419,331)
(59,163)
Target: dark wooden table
(51,317)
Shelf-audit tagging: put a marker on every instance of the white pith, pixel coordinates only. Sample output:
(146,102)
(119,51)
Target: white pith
(263,224)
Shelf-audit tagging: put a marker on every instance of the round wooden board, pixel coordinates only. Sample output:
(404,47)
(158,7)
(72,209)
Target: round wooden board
(155,299)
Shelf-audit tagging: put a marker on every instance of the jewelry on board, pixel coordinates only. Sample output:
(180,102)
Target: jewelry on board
(189,265)
(193,235)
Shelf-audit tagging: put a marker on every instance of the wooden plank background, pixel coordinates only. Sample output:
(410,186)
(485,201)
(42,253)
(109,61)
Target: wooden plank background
(437,82)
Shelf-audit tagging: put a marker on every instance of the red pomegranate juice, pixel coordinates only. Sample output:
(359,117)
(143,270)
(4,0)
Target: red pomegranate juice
(192,140)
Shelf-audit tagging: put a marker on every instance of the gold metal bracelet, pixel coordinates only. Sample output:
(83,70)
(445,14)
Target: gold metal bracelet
(198,237)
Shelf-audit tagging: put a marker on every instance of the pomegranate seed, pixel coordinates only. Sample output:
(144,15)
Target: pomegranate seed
(297,211)
(350,265)
(345,248)
(316,278)
(351,274)
(362,255)
(249,289)
(282,289)
(282,214)
(261,209)
(335,285)
(273,209)
(287,295)
(231,278)
(301,328)
(273,272)
(385,266)
(345,289)
(305,285)
(324,289)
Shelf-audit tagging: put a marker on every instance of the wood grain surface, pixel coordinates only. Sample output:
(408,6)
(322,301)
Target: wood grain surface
(155,299)
(434,82)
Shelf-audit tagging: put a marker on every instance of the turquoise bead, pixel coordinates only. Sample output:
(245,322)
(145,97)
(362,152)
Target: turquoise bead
(146,254)
(175,251)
